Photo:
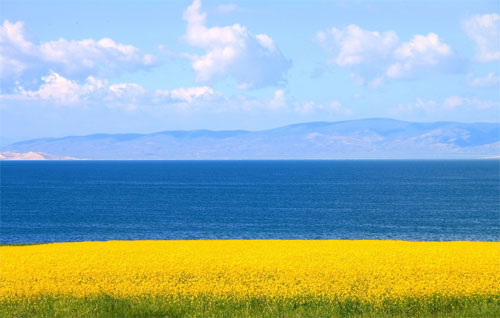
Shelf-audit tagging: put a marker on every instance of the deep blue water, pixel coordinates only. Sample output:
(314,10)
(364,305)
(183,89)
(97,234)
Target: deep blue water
(130,200)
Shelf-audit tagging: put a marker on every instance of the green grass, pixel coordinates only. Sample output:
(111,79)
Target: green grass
(106,306)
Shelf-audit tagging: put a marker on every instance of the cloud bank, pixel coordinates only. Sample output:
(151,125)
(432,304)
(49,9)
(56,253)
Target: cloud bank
(59,91)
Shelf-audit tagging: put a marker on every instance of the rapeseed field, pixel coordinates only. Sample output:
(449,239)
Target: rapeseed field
(364,272)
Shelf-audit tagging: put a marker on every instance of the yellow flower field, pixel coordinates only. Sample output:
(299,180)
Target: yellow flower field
(366,270)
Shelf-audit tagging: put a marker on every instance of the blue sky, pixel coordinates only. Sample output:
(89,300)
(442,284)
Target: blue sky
(82,67)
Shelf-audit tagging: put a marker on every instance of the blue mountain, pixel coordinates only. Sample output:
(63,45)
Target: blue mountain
(376,138)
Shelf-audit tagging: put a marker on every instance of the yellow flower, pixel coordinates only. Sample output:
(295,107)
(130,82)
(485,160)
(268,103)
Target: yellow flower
(367,270)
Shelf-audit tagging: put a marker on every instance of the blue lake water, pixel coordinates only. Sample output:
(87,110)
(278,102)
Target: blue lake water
(52,201)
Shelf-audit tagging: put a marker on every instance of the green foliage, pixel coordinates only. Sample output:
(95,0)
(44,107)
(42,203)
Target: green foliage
(141,307)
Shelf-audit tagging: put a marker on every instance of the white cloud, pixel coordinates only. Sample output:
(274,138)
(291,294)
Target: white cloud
(130,94)
(226,8)
(58,90)
(489,80)
(15,35)
(421,52)
(337,107)
(280,103)
(266,42)
(453,102)
(333,107)
(192,93)
(429,106)
(377,82)
(452,105)
(232,51)
(279,99)
(13,43)
(305,107)
(374,56)
(353,45)
(61,91)
(90,54)
(19,55)
(485,31)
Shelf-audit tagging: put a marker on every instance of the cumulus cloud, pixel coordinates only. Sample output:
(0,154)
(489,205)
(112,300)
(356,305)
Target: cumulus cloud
(485,31)
(374,56)
(489,80)
(60,91)
(20,56)
(353,45)
(422,52)
(192,93)
(232,51)
(130,95)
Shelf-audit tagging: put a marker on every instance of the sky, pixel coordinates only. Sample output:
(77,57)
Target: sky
(84,67)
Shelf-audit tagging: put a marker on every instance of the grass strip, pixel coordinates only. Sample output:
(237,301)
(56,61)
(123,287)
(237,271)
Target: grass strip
(104,306)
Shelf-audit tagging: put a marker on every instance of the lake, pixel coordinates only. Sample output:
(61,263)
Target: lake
(59,201)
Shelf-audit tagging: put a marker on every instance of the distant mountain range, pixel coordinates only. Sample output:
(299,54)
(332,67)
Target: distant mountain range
(376,138)
(8,155)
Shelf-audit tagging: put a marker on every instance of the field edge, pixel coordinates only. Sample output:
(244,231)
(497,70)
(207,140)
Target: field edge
(483,306)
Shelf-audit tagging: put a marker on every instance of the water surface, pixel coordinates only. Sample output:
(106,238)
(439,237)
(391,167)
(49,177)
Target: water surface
(54,201)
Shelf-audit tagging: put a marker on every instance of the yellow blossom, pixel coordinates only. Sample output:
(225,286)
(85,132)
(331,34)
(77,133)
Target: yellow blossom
(367,270)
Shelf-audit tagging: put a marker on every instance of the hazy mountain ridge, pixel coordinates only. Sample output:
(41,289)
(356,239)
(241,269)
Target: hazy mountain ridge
(376,138)
(8,155)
